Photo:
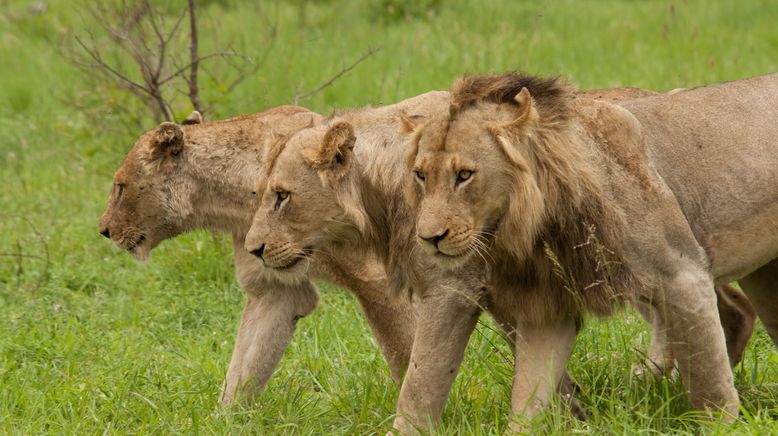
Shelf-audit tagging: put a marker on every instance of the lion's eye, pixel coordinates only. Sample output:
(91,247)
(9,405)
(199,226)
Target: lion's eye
(419,175)
(119,190)
(463,176)
(281,196)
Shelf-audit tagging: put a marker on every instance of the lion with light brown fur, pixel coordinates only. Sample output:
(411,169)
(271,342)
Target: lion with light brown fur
(338,188)
(580,204)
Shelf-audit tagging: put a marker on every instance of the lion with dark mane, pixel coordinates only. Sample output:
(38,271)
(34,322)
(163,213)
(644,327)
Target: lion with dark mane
(581,204)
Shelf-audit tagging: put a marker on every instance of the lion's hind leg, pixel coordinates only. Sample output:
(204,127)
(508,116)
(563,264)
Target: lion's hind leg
(761,287)
(738,319)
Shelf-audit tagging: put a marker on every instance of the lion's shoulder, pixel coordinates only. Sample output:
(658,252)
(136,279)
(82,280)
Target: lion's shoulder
(618,135)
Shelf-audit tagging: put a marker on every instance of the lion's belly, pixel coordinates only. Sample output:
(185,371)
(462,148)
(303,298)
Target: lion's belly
(733,213)
(738,250)
(731,204)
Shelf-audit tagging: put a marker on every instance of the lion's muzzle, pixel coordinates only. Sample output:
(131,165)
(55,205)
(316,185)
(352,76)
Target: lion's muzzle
(280,256)
(434,239)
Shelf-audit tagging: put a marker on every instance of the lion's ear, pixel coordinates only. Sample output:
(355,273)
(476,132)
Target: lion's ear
(335,150)
(168,140)
(407,123)
(527,110)
(509,142)
(193,118)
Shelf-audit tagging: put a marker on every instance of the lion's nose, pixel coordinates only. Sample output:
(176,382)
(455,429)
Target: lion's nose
(435,239)
(105,232)
(258,252)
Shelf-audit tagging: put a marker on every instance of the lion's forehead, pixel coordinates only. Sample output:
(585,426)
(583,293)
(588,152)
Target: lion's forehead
(433,136)
(128,170)
(447,160)
(462,133)
(303,142)
(290,167)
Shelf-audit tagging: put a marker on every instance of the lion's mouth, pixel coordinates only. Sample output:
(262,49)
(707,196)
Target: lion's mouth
(304,254)
(455,256)
(136,243)
(452,260)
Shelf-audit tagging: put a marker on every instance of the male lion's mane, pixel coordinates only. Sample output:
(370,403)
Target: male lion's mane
(566,237)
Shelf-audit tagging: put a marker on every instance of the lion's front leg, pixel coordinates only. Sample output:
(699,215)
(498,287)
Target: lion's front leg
(266,328)
(660,358)
(541,356)
(566,388)
(737,319)
(393,325)
(445,320)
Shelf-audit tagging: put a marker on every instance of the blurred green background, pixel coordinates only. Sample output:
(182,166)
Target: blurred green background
(91,342)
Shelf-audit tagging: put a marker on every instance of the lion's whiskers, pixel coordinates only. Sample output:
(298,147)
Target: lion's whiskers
(479,245)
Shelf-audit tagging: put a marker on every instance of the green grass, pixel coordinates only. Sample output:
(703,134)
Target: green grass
(91,342)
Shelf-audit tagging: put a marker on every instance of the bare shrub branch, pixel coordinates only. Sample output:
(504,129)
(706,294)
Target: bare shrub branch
(335,78)
(143,51)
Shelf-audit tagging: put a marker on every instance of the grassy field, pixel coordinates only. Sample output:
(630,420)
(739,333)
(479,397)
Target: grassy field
(91,342)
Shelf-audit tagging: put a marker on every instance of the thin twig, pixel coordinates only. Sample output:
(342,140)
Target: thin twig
(334,78)
(155,51)
(95,55)
(19,254)
(194,93)
(183,69)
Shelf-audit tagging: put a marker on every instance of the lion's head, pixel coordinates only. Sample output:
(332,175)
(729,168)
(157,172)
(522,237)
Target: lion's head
(489,170)
(150,195)
(301,205)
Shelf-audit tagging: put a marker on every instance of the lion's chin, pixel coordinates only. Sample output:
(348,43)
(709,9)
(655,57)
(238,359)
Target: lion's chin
(291,274)
(451,261)
(140,254)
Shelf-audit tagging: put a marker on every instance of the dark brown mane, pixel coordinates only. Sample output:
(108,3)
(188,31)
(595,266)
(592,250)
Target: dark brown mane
(551,94)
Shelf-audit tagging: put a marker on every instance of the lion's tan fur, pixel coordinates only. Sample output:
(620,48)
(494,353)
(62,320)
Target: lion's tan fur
(588,203)
(356,205)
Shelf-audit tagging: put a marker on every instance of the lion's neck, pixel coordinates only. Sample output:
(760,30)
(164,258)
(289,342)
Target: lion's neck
(224,163)
(385,231)
(379,223)
(224,159)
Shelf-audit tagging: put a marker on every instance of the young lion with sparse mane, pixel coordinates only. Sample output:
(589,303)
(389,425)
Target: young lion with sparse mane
(337,188)
(580,204)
